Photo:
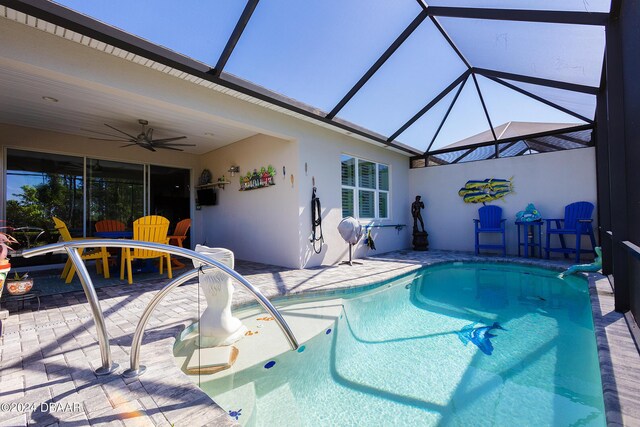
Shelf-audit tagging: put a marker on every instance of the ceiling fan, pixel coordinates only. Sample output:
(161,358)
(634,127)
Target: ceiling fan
(145,139)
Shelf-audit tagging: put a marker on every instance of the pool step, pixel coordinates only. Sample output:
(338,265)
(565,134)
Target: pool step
(241,400)
(282,398)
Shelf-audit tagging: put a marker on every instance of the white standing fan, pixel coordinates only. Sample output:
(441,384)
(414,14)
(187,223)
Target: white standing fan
(351,231)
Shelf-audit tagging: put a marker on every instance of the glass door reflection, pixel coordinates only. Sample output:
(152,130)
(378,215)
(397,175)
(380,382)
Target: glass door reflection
(115,192)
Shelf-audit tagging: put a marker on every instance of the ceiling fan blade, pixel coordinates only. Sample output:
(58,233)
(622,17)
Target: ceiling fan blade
(116,140)
(122,132)
(129,145)
(165,144)
(164,147)
(156,141)
(147,146)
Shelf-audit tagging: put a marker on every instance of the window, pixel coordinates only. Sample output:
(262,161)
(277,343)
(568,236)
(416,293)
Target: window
(365,188)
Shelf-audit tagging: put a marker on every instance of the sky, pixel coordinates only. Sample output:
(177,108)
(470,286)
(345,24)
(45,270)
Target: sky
(315,52)
(16,180)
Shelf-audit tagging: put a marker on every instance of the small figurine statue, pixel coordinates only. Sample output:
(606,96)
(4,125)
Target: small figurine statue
(420,238)
(416,213)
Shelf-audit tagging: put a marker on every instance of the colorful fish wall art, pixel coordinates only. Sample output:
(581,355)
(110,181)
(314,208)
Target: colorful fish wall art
(485,191)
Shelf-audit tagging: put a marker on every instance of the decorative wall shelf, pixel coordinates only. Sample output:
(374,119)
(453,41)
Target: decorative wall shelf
(219,184)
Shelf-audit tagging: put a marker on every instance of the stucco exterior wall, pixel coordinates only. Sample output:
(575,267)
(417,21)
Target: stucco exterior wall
(322,156)
(273,225)
(257,225)
(550,181)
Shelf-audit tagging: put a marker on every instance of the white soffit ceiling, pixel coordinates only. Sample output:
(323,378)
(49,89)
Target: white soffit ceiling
(83,111)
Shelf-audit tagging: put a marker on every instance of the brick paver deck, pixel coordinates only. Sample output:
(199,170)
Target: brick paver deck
(47,358)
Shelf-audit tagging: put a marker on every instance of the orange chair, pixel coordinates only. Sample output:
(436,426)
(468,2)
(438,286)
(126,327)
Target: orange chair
(69,269)
(153,229)
(107,225)
(180,233)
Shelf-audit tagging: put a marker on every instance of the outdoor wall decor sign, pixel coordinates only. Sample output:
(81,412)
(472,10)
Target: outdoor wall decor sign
(485,191)
(258,179)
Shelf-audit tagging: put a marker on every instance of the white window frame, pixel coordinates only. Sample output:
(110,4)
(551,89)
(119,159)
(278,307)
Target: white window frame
(355,189)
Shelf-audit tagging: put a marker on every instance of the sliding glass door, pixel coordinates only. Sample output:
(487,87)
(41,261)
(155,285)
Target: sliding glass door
(81,191)
(115,191)
(41,186)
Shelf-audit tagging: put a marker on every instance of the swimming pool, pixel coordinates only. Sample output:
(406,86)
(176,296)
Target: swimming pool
(466,344)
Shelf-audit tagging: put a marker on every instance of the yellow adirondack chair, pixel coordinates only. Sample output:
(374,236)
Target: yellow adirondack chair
(69,269)
(154,229)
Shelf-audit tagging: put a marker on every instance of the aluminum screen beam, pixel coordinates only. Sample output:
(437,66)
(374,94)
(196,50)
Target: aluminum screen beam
(619,178)
(484,106)
(523,150)
(505,148)
(424,7)
(376,66)
(448,39)
(465,154)
(572,139)
(431,103)
(536,81)
(603,174)
(235,36)
(446,115)
(540,99)
(505,140)
(548,16)
(532,142)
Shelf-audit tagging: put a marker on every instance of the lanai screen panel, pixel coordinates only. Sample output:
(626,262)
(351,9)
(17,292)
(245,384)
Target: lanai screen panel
(505,105)
(467,119)
(581,103)
(315,52)
(414,75)
(197,29)
(512,149)
(420,134)
(563,52)
(480,153)
(558,5)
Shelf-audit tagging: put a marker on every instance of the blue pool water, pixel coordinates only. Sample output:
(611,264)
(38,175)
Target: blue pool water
(467,345)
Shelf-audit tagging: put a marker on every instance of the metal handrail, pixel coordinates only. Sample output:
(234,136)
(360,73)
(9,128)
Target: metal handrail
(136,369)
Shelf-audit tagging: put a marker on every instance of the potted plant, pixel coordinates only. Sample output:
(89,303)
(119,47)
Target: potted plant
(272,173)
(5,266)
(19,285)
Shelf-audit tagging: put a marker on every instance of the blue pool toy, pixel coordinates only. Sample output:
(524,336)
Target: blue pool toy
(480,336)
(594,266)
(529,214)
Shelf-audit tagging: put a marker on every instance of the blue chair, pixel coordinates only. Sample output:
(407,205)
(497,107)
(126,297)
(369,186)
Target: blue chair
(490,222)
(577,222)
